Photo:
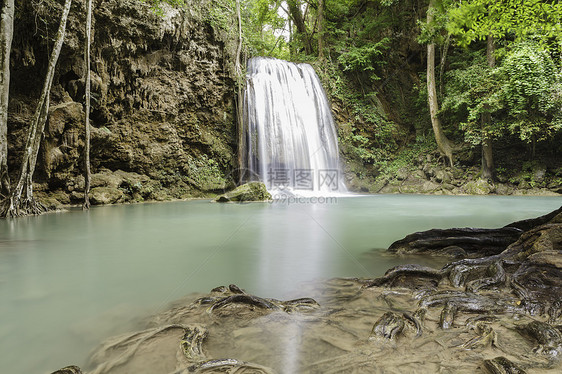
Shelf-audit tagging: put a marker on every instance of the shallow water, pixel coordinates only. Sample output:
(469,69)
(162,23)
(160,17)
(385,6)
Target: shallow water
(69,280)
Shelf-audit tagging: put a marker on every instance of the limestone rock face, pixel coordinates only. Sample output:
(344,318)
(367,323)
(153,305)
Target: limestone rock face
(105,195)
(162,97)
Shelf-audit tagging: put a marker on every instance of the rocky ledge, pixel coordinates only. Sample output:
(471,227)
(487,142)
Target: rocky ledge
(497,313)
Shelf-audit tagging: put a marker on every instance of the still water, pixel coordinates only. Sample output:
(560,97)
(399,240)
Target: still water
(70,280)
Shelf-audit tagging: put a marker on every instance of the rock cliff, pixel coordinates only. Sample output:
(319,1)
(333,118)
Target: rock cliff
(163,112)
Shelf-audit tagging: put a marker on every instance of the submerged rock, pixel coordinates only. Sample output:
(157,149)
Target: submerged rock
(252,191)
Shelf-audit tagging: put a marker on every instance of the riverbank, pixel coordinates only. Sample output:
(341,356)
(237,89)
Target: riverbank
(420,169)
(120,187)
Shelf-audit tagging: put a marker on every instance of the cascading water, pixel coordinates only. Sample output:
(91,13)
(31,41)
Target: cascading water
(290,135)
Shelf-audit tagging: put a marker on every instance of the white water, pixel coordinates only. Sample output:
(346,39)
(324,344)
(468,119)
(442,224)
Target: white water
(290,139)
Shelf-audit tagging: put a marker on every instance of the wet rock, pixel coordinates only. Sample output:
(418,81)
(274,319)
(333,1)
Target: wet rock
(252,191)
(501,365)
(388,326)
(548,337)
(69,370)
(470,240)
(454,251)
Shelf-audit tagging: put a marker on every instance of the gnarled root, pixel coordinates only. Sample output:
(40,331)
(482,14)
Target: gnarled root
(501,365)
(130,343)
(68,370)
(229,365)
(411,276)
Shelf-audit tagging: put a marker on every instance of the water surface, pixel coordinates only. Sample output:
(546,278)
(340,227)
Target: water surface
(69,280)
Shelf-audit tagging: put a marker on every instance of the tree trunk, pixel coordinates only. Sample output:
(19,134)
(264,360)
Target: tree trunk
(442,64)
(239,98)
(87,172)
(16,205)
(443,142)
(295,13)
(320,29)
(6,36)
(488,168)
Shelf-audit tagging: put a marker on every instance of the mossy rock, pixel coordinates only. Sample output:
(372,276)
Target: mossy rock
(105,195)
(252,191)
(478,187)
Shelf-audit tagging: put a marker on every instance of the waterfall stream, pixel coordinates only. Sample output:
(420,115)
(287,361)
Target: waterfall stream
(290,135)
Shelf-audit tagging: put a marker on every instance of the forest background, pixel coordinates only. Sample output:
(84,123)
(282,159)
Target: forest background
(445,97)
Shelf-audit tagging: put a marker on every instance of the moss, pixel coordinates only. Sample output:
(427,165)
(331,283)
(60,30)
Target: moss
(478,187)
(252,191)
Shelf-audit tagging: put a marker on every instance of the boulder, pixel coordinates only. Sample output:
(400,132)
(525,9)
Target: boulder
(105,195)
(443,176)
(429,187)
(478,187)
(252,191)
(402,174)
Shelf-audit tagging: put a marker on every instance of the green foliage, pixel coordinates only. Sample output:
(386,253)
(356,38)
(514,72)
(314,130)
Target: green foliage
(530,94)
(522,95)
(205,173)
(433,32)
(476,19)
(406,158)
(470,92)
(364,58)
(261,25)
(369,137)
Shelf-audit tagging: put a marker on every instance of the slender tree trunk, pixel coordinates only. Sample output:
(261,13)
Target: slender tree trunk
(17,204)
(239,98)
(443,142)
(87,171)
(295,13)
(442,64)
(488,169)
(6,36)
(320,29)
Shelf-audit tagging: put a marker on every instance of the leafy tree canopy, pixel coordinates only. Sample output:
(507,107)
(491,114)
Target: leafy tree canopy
(476,19)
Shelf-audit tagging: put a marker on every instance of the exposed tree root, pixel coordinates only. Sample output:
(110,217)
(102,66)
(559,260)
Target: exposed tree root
(501,365)
(229,365)
(242,299)
(26,207)
(131,344)
(68,370)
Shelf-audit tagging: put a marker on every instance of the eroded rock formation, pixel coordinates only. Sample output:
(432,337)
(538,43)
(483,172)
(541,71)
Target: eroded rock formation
(162,110)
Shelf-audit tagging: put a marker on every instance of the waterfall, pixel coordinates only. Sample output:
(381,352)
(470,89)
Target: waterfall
(290,137)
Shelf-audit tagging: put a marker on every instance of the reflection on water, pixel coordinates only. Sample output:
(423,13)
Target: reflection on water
(69,280)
